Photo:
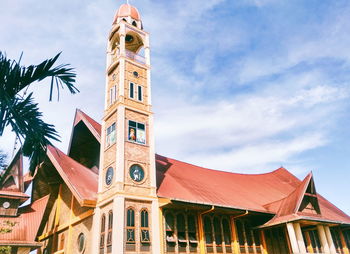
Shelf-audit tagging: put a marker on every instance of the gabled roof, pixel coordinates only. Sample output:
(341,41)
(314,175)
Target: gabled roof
(23,229)
(291,203)
(92,125)
(81,181)
(11,182)
(278,192)
(12,179)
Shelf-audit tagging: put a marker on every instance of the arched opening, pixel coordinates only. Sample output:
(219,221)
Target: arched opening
(130,229)
(102,233)
(145,236)
(170,232)
(109,235)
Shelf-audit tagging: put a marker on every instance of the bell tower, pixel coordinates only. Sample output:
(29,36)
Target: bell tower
(126,217)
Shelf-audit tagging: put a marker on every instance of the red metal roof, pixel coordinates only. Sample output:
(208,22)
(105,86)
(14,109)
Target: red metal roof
(23,229)
(92,125)
(82,181)
(276,192)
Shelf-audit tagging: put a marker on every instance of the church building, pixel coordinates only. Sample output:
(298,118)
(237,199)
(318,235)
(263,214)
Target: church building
(110,193)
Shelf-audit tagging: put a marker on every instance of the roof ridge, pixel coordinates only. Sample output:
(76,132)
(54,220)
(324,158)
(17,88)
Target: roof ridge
(228,172)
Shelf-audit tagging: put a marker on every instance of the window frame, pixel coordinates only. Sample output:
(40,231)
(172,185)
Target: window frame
(132,90)
(102,231)
(110,228)
(112,94)
(139,93)
(144,227)
(137,130)
(111,130)
(130,227)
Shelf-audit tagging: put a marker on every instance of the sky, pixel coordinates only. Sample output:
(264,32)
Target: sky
(237,85)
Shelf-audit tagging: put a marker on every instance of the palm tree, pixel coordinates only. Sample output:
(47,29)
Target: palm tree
(18,109)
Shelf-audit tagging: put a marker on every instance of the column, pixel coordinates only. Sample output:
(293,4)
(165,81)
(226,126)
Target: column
(342,239)
(122,39)
(235,242)
(118,225)
(292,238)
(96,230)
(330,240)
(263,243)
(155,228)
(201,235)
(323,239)
(300,239)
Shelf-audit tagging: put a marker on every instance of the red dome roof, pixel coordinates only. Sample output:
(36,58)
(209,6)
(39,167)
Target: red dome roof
(127,10)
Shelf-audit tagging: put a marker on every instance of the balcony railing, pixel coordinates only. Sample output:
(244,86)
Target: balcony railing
(131,55)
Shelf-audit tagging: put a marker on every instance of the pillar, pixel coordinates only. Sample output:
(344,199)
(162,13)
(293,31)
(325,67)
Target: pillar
(96,230)
(235,241)
(156,231)
(292,238)
(343,243)
(263,242)
(330,240)
(299,237)
(323,239)
(118,225)
(201,235)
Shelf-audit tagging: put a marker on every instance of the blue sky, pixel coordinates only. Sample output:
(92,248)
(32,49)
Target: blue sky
(243,86)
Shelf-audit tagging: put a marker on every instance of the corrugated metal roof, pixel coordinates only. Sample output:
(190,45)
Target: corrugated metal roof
(22,230)
(269,193)
(277,192)
(82,181)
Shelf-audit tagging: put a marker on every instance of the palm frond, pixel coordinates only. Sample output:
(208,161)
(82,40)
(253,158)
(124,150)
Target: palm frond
(21,112)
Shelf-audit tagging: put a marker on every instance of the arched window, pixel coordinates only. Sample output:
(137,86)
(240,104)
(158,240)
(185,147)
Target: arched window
(102,235)
(170,232)
(134,23)
(130,226)
(144,227)
(181,232)
(192,232)
(227,234)
(110,226)
(208,234)
(218,235)
(248,238)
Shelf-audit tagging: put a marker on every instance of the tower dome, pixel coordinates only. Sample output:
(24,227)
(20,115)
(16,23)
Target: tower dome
(127,10)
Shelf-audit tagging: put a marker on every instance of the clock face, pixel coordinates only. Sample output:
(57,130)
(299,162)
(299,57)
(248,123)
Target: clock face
(109,175)
(136,173)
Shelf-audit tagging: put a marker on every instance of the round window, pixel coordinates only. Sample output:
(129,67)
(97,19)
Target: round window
(136,173)
(129,38)
(81,242)
(136,74)
(6,205)
(109,175)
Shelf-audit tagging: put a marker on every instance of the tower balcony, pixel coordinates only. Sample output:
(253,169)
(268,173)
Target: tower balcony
(130,55)
(136,57)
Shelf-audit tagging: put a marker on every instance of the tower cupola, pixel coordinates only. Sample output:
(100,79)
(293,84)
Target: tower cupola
(129,14)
